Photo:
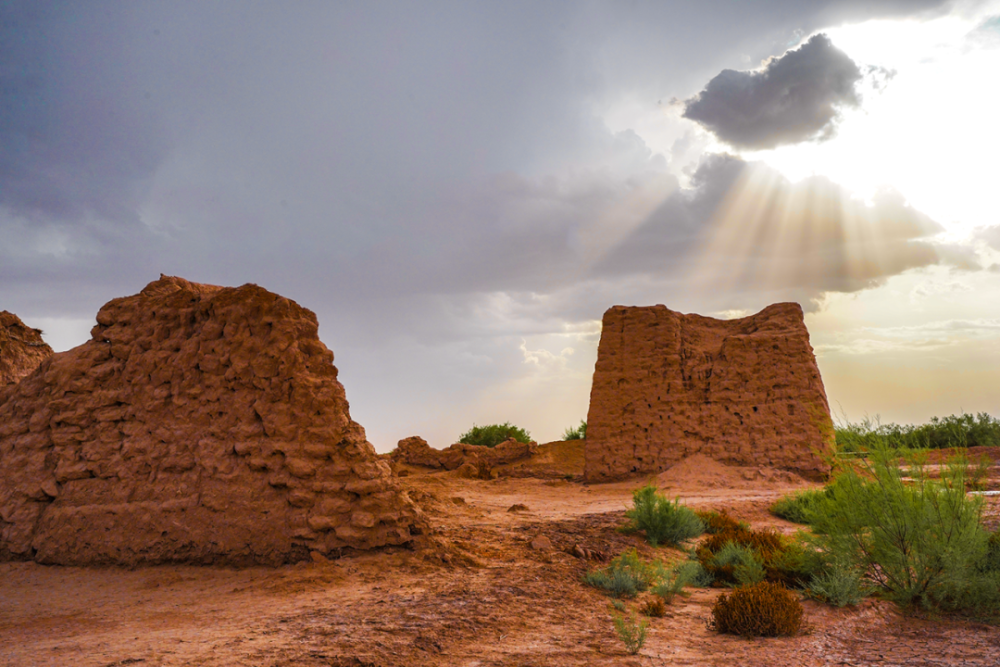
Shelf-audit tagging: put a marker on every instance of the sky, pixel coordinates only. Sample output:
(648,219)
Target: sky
(460,190)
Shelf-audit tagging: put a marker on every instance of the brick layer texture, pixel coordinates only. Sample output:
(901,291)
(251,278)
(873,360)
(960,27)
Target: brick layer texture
(200,424)
(743,392)
(21,349)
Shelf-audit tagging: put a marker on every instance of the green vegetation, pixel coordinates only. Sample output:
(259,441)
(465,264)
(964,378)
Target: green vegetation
(626,575)
(664,522)
(734,557)
(917,541)
(839,584)
(716,522)
(797,506)
(963,430)
(761,610)
(494,434)
(578,433)
(675,580)
(631,631)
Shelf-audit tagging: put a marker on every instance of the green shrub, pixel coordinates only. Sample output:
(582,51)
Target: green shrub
(796,507)
(745,563)
(784,560)
(494,434)
(839,585)
(695,574)
(631,631)
(919,541)
(762,610)
(679,577)
(625,576)
(663,521)
(965,430)
(578,433)
(716,522)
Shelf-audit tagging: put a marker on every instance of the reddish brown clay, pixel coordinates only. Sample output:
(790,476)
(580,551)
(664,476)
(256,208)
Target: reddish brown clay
(415,451)
(669,385)
(21,349)
(200,424)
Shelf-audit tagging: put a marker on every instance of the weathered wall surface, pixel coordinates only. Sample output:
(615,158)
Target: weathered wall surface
(22,349)
(200,424)
(415,451)
(669,385)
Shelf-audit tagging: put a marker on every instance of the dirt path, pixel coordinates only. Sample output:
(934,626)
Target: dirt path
(487,599)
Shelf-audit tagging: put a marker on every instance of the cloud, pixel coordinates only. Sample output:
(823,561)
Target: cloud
(989,235)
(793,98)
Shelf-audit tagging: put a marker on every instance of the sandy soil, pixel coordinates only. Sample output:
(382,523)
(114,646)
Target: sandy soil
(484,596)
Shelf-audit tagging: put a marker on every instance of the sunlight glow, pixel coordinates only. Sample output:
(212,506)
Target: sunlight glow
(929,132)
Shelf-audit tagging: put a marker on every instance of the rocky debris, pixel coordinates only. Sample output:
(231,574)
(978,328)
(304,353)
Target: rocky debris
(415,451)
(518,507)
(578,551)
(200,424)
(541,543)
(743,392)
(22,349)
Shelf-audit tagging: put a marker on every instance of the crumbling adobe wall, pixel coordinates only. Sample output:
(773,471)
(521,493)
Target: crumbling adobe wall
(21,349)
(200,424)
(415,451)
(669,385)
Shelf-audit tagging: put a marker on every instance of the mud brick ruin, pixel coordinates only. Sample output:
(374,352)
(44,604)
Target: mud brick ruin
(21,349)
(744,392)
(200,424)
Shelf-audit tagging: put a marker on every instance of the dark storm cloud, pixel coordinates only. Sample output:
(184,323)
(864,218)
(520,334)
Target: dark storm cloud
(77,136)
(794,98)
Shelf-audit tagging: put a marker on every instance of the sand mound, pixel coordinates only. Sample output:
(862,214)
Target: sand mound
(701,472)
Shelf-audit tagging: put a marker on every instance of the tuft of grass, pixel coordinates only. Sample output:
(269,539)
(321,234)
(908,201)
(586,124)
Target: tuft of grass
(796,507)
(763,610)
(631,630)
(840,585)
(626,576)
(578,433)
(493,434)
(745,563)
(664,522)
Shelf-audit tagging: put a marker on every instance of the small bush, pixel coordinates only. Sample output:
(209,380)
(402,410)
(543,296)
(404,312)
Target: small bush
(716,522)
(664,522)
(762,610)
(631,631)
(784,561)
(797,506)
(677,579)
(578,433)
(745,563)
(839,585)
(494,434)
(625,576)
(695,574)
(655,607)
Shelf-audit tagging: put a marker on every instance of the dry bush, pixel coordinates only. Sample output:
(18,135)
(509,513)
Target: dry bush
(717,522)
(762,610)
(655,607)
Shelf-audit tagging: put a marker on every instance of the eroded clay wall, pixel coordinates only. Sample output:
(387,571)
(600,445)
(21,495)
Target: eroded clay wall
(744,391)
(199,424)
(22,349)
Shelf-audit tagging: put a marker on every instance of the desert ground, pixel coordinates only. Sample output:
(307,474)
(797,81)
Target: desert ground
(481,595)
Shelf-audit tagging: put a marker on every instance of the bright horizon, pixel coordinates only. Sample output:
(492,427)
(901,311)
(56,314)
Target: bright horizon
(460,194)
